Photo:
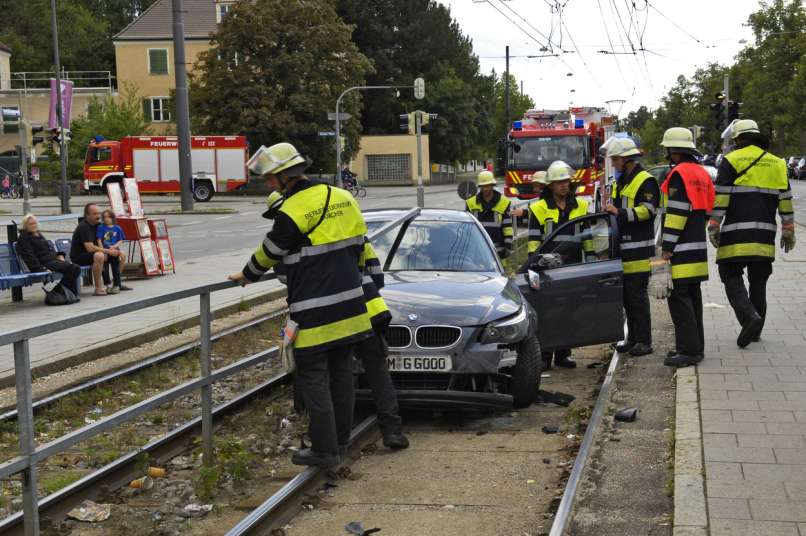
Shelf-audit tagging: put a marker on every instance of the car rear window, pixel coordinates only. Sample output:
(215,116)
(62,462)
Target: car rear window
(436,246)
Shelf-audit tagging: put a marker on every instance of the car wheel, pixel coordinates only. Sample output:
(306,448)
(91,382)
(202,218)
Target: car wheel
(202,191)
(526,373)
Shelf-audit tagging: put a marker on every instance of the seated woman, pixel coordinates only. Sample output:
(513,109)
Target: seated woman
(40,256)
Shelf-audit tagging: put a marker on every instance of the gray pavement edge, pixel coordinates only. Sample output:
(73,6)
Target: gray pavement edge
(690,515)
(142,337)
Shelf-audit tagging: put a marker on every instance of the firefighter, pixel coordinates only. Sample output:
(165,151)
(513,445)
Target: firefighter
(538,186)
(318,235)
(373,352)
(752,185)
(492,210)
(689,198)
(635,200)
(558,205)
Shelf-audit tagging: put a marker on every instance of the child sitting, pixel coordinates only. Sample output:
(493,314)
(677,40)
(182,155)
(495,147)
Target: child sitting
(110,236)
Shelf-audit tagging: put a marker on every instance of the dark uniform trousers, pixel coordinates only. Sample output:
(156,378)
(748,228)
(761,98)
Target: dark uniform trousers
(636,305)
(372,352)
(744,304)
(325,380)
(685,307)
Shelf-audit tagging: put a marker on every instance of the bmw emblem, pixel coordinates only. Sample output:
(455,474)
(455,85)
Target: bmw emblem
(413,317)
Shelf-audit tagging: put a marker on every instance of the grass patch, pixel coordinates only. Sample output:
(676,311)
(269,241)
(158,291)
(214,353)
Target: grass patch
(56,481)
(577,415)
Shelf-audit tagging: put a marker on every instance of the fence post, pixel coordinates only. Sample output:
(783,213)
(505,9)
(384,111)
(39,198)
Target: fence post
(26,431)
(205,319)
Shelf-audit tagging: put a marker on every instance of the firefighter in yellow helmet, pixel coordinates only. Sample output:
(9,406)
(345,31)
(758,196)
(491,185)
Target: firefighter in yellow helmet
(318,235)
(689,198)
(751,186)
(492,210)
(634,201)
(557,206)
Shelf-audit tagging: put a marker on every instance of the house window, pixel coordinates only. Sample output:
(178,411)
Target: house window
(158,60)
(160,109)
(221,11)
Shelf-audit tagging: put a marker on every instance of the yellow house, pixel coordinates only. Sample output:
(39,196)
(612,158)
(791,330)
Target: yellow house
(144,52)
(391,159)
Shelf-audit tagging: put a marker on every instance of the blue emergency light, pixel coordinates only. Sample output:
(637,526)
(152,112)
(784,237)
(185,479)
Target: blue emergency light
(517,125)
(99,139)
(579,123)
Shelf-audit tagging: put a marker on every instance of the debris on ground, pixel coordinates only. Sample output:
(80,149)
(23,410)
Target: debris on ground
(550,429)
(90,512)
(197,510)
(561,399)
(712,305)
(626,415)
(355,527)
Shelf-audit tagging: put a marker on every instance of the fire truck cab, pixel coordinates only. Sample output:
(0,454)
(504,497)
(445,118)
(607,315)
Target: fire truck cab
(544,136)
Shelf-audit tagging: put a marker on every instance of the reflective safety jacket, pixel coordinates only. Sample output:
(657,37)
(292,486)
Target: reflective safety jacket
(636,195)
(544,215)
(318,235)
(494,217)
(370,266)
(684,222)
(751,186)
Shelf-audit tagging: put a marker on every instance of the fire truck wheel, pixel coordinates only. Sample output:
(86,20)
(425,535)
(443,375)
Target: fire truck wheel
(202,191)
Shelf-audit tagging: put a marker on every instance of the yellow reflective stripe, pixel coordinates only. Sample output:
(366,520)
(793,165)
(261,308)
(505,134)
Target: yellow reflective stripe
(692,269)
(376,306)
(751,249)
(306,338)
(722,201)
(674,221)
(642,213)
(264,260)
(587,246)
(533,245)
(634,267)
(507,231)
(785,205)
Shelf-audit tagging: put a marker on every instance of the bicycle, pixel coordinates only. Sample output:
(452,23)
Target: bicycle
(11,193)
(359,192)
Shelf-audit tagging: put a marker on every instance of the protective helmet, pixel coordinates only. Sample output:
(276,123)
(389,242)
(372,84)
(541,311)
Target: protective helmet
(279,157)
(744,126)
(539,177)
(485,178)
(273,203)
(558,171)
(678,138)
(622,147)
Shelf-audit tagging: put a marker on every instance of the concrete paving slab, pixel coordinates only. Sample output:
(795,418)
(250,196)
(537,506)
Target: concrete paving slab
(742,527)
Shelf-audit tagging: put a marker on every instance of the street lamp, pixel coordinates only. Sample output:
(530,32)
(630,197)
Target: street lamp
(419,93)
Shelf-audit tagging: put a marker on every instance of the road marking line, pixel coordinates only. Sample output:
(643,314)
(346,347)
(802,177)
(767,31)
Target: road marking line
(222,217)
(189,223)
(247,213)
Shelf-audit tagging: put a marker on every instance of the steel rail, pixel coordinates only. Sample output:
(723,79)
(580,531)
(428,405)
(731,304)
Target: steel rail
(158,359)
(563,515)
(126,468)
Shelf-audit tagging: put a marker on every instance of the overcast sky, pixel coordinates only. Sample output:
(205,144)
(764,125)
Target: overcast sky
(712,31)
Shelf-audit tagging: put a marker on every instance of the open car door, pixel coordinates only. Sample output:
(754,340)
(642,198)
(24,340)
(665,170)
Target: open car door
(575,283)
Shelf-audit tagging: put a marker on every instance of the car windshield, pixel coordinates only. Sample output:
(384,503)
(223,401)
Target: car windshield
(435,246)
(537,154)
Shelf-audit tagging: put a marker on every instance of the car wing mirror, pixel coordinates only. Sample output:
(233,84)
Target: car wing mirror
(533,278)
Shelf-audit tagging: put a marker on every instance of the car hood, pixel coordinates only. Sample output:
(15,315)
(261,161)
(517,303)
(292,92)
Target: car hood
(454,298)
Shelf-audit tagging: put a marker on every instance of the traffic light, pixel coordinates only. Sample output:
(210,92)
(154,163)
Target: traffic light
(733,110)
(407,123)
(426,118)
(9,120)
(718,110)
(32,131)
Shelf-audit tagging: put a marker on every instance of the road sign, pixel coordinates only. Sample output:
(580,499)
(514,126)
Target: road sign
(327,133)
(343,116)
(35,173)
(419,88)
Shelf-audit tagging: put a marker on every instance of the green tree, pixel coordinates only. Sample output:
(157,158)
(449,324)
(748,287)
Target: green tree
(275,69)
(112,118)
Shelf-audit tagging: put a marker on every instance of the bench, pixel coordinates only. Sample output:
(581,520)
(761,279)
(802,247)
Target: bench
(12,274)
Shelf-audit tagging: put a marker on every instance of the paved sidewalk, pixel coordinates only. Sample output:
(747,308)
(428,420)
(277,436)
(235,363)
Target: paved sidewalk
(753,410)
(63,344)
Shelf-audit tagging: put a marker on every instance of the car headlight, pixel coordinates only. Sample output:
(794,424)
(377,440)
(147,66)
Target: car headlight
(509,330)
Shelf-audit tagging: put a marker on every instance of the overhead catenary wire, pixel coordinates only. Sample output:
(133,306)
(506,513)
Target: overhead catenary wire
(610,41)
(542,45)
(674,23)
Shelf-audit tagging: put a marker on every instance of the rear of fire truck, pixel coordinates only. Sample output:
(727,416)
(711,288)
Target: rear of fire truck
(544,136)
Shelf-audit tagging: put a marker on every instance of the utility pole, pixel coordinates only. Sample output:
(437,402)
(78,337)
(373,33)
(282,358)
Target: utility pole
(418,124)
(65,201)
(726,102)
(506,95)
(26,202)
(182,109)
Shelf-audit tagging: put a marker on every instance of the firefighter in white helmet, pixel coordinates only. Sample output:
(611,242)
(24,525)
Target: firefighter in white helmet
(635,199)
(492,210)
(557,206)
(751,186)
(319,247)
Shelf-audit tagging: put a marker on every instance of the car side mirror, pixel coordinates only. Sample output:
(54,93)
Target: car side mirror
(544,261)
(533,278)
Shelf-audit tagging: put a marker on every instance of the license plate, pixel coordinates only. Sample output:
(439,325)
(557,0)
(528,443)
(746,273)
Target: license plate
(401,363)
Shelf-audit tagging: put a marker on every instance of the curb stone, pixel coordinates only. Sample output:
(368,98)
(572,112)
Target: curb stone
(690,515)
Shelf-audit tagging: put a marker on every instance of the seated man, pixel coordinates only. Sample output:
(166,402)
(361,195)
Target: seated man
(40,256)
(85,252)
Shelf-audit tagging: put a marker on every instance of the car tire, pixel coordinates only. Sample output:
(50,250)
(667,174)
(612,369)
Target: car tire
(202,191)
(526,373)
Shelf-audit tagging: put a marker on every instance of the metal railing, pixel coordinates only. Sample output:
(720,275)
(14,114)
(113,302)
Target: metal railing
(39,81)
(31,454)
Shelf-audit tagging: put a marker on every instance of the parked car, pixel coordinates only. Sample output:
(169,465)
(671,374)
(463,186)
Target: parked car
(463,332)
(800,169)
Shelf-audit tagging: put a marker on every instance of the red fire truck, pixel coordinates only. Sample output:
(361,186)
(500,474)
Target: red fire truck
(543,136)
(218,163)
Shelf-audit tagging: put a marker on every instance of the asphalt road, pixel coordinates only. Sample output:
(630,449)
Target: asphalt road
(199,235)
